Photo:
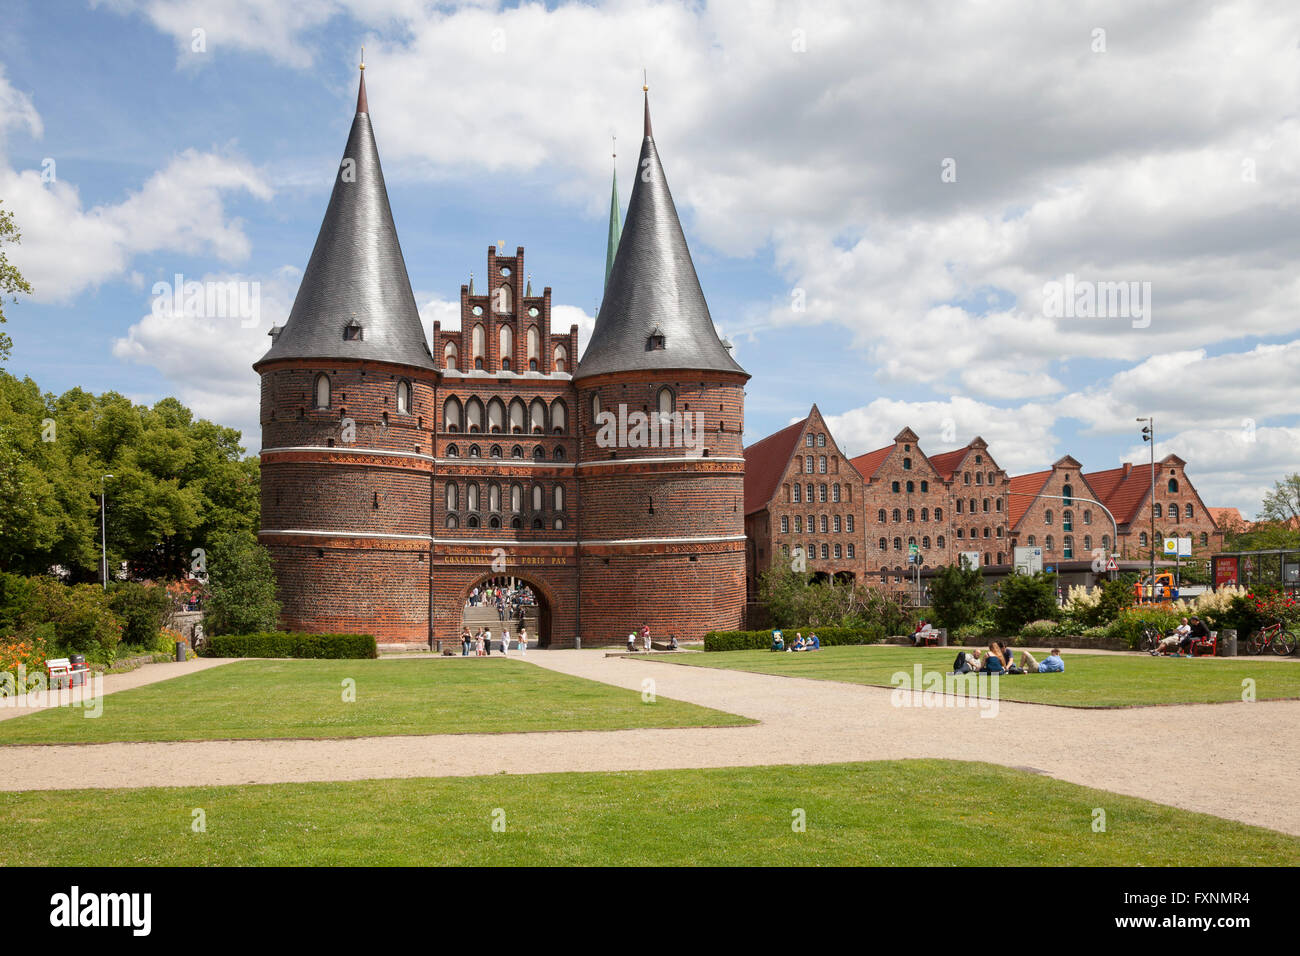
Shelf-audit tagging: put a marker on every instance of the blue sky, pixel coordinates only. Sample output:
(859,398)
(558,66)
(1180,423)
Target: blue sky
(805,145)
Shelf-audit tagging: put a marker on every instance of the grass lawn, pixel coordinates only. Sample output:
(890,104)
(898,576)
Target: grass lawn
(1090,680)
(912,812)
(259,699)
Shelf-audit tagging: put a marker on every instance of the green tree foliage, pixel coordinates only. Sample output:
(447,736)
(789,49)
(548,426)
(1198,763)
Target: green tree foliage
(957,596)
(11,280)
(142,608)
(82,618)
(1282,504)
(241,584)
(1025,598)
(795,600)
(178,482)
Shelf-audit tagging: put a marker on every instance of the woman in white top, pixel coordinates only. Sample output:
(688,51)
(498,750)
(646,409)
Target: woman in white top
(523,642)
(505,641)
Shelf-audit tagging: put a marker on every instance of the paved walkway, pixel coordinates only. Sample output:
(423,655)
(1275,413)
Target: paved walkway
(1234,760)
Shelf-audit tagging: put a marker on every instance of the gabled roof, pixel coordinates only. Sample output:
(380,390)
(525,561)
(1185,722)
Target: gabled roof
(946,463)
(1122,490)
(653,282)
(867,465)
(765,463)
(356,271)
(1023,487)
(1228,517)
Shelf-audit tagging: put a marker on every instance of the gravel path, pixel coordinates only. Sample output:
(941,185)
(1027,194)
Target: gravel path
(1225,759)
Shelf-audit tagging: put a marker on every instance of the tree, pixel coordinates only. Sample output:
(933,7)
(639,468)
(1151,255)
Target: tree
(241,584)
(1282,504)
(957,596)
(1025,598)
(11,280)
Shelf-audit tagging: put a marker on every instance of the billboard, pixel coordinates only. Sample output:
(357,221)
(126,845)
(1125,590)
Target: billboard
(968,559)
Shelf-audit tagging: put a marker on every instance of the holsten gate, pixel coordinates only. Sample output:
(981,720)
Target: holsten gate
(399,473)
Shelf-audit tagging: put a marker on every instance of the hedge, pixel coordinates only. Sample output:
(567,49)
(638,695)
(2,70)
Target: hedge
(280,644)
(762,640)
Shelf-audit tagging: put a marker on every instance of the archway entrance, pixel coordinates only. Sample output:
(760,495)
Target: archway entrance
(508,602)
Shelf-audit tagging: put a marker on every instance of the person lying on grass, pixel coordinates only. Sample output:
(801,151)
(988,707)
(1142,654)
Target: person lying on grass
(1052,664)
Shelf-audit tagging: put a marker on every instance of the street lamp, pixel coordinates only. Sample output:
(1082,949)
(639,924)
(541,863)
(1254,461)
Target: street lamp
(1149,434)
(103,530)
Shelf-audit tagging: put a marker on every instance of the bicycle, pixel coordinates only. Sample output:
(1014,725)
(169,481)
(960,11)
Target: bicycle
(1274,636)
(1150,639)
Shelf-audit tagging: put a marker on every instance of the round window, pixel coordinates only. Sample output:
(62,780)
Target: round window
(478,310)
(533,312)
(505,270)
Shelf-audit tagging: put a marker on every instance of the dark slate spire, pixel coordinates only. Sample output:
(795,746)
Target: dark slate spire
(652,289)
(356,272)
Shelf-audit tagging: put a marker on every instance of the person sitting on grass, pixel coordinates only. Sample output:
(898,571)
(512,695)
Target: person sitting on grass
(814,642)
(967,662)
(778,641)
(1051,664)
(993,661)
(799,644)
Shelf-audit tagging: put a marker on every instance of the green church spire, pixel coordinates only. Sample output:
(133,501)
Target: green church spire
(615,221)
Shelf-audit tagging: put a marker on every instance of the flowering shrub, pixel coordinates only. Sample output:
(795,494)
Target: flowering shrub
(1128,625)
(1039,629)
(1275,606)
(30,649)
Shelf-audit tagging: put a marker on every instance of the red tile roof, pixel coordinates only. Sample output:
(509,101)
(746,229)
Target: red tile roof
(1229,519)
(1121,492)
(872,460)
(946,463)
(1024,487)
(765,463)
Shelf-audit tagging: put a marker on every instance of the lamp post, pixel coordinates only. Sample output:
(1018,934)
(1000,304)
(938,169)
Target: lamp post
(103,530)
(1149,434)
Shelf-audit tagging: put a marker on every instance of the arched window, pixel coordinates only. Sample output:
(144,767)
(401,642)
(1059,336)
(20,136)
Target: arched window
(449,353)
(471,521)
(1031,541)
(452,522)
(925,514)
(884,544)
(1173,486)
(478,345)
(506,345)
(561,358)
(516,452)
(537,417)
(898,544)
(558,498)
(939,542)
(516,499)
(403,397)
(1047,516)
(537,497)
(453,497)
(322,391)
(558,454)
(925,486)
(907,464)
(979,477)
(910,487)
(1142,540)
(534,346)
(451,421)
(1187,512)
(474,451)
(496,416)
(938,516)
(895,487)
(517,415)
(925,542)
(823,524)
(880,515)
(837,524)
(494,497)
(537,524)
(897,515)
(559,524)
(1067,492)
(495,452)
(1087,542)
(1205,539)
(1067,520)
(1047,546)
(1156,510)
(474,415)
(911,515)
(539,453)
(1068,547)
(835,491)
(595,407)
(471,498)
(453,451)
(494,522)
(504,298)
(559,417)
(667,401)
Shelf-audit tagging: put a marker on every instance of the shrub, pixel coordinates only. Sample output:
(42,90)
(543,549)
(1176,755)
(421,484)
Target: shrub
(81,616)
(1130,622)
(1037,630)
(142,608)
(1025,598)
(242,585)
(31,649)
(762,640)
(285,644)
(979,632)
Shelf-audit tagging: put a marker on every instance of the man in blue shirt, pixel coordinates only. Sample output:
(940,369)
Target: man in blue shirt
(1052,664)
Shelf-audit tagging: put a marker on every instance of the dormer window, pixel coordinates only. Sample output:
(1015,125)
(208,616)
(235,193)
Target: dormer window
(655,340)
(352,332)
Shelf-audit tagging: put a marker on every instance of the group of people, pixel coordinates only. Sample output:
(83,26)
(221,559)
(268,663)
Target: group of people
(480,643)
(1179,642)
(811,643)
(643,640)
(510,602)
(999,659)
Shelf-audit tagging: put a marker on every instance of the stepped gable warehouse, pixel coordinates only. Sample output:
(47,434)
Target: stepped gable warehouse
(857,519)
(397,477)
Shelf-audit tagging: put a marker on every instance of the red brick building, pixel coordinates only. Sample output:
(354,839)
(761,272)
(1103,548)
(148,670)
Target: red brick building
(397,477)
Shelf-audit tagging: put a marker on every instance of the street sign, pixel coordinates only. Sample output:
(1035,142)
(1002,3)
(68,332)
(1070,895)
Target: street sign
(1028,560)
(969,559)
(1111,565)
(1182,547)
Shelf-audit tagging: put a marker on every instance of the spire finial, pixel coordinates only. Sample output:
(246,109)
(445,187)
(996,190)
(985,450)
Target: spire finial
(615,153)
(362,105)
(645,92)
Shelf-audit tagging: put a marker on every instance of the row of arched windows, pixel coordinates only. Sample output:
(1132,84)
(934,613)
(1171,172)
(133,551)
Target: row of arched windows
(897,515)
(899,488)
(494,418)
(1188,511)
(828,524)
(924,544)
(825,552)
(495,451)
(820,464)
(470,503)
(505,348)
(996,502)
(810,493)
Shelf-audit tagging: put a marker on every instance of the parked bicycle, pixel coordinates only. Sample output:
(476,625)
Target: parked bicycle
(1150,639)
(1274,636)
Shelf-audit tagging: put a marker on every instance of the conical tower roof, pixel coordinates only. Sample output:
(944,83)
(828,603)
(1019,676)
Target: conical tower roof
(356,274)
(615,227)
(652,289)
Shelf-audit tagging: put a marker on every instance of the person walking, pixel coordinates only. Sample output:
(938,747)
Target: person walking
(523,642)
(505,642)
(645,636)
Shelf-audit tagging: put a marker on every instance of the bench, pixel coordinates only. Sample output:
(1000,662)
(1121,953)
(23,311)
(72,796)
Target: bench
(1206,648)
